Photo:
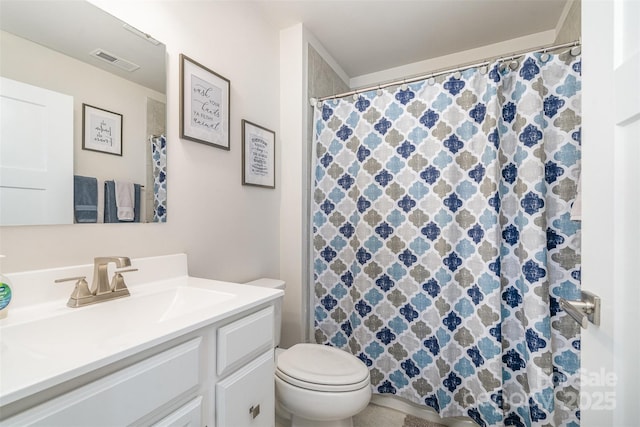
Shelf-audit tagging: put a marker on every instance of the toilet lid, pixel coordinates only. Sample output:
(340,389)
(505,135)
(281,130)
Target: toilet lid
(321,367)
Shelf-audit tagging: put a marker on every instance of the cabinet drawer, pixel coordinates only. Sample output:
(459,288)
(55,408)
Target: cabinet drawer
(188,415)
(246,398)
(244,339)
(123,397)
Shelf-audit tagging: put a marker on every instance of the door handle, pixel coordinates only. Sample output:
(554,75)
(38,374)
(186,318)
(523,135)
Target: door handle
(584,311)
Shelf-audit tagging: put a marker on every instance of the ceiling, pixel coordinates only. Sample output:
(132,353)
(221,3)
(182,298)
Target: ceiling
(367,36)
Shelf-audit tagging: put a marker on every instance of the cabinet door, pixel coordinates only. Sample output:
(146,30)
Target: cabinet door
(247,398)
(188,415)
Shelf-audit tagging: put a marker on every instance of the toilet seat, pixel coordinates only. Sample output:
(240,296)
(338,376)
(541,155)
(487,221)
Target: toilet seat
(321,368)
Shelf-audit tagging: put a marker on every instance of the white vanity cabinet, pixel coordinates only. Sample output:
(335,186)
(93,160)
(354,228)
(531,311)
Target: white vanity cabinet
(245,397)
(220,375)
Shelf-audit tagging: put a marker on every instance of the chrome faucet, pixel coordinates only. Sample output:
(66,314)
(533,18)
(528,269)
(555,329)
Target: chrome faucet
(101,289)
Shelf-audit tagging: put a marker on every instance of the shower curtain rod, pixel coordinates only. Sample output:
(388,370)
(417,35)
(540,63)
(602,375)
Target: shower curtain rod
(509,57)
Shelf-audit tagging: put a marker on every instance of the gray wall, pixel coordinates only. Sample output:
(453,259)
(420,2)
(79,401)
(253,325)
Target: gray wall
(571,28)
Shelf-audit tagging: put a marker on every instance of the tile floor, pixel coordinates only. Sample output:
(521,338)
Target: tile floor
(378,416)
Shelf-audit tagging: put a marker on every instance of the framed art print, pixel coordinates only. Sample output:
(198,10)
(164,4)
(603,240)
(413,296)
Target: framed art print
(204,105)
(101,130)
(258,155)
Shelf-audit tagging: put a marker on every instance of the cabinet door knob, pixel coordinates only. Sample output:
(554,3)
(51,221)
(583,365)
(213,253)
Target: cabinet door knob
(254,411)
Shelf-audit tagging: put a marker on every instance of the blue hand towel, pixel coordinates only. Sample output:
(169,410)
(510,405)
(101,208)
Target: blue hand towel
(85,199)
(110,206)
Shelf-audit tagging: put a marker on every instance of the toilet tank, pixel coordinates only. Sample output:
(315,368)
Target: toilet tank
(273,284)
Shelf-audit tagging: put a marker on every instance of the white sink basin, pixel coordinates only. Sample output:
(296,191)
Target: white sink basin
(110,324)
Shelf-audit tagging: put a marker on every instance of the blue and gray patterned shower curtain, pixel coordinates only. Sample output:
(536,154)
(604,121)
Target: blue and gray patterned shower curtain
(443,239)
(159,171)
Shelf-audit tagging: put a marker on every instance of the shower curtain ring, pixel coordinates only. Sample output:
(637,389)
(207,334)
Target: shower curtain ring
(545,56)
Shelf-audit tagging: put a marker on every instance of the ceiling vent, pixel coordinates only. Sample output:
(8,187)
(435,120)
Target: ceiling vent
(114,60)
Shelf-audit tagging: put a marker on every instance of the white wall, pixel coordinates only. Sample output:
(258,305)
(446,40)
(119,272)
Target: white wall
(229,231)
(292,250)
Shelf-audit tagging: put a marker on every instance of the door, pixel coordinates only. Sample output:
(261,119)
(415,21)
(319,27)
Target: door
(611,208)
(36,155)
(627,163)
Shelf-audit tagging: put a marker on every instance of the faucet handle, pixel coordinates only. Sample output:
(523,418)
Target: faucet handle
(81,290)
(117,283)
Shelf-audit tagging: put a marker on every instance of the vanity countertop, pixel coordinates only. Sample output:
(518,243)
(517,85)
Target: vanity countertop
(47,343)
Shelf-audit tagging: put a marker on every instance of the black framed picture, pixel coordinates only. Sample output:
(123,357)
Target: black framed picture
(258,155)
(101,130)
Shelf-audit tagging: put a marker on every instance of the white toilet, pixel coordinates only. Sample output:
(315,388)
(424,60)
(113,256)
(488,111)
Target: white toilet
(317,385)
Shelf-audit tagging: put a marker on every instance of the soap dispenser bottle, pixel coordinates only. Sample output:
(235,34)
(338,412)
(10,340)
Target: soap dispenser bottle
(5,293)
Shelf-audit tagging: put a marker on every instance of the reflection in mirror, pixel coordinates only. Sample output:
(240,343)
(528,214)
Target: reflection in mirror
(56,56)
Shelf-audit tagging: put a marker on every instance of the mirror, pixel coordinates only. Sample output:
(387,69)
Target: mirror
(102,65)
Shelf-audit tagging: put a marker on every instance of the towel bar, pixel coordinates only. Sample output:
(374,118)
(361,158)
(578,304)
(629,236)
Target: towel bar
(583,311)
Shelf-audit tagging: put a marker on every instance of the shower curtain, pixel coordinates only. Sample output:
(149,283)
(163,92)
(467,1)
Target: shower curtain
(159,171)
(443,240)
